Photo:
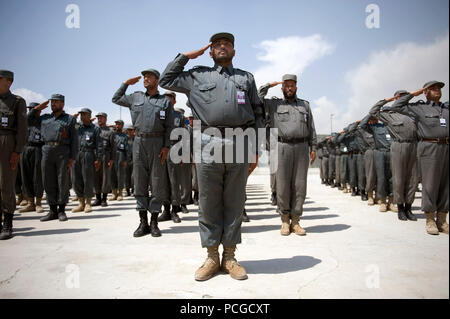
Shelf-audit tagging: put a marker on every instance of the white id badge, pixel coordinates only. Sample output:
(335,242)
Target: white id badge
(87,138)
(162,115)
(443,122)
(241,97)
(388,137)
(37,137)
(122,146)
(4,121)
(345,149)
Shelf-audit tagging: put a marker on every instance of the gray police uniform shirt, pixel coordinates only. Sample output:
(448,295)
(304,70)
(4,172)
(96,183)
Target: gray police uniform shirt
(59,129)
(108,141)
(34,136)
(219,97)
(401,127)
(431,118)
(13,119)
(380,133)
(149,114)
(121,140)
(90,139)
(293,120)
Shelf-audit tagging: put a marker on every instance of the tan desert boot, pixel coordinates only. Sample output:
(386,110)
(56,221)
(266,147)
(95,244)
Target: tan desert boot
(210,266)
(285,228)
(114,194)
(230,264)
(39,208)
(31,207)
(80,206)
(295,226)
(88,205)
(370,201)
(431,226)
(19,199)
(345,189)
(383,205)
(119,195)
(441,222)
(391,205)
(75,199)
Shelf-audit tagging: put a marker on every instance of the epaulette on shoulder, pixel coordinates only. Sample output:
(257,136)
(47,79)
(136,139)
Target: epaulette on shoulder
(200,67)
(245,72)
(275,98)
(138,92)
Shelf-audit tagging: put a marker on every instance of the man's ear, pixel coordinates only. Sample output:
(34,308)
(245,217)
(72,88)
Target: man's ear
(210,54)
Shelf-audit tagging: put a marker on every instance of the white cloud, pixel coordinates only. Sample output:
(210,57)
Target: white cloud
(29,95)
(322,108)
(289,55)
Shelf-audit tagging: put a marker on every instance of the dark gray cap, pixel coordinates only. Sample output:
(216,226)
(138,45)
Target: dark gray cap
(171,93)
(222,35)
(151,71)
(85,110)
(7,74)
(58,97)
(431,83)
(180,110)
(288,77)
(119,121)
(400,92)
(32,104)
(102,114)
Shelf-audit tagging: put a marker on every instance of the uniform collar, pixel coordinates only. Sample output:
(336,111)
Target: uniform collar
(229,69)
(62,113)
(435,104)
(6,95)
(296,100)
(157,94)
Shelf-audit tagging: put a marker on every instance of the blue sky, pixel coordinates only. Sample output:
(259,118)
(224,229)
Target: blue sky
(343,66)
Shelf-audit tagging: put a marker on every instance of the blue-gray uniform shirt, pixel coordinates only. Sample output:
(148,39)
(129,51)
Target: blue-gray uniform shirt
(380,133)
(350,138)
(108,141)
(149,114)
(218,96)
(59,129)
(34,136)
(90,140)
(121,140)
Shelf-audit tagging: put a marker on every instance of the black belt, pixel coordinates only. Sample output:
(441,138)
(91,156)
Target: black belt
(292,140)
(150,134)
(437,140)
(35,144)
(121,150)
(53,143)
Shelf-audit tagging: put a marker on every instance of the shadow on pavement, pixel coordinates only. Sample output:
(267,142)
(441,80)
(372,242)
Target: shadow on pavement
(52,232)
(178,229)
(92,216)
(268,209)
(258,203)
(318,216)
(279,265)
(264,216)
(314,209)
(326,228)
(30,217)
(246,228)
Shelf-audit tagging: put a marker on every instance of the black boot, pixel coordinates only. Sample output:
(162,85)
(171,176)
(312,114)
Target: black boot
(339,186)
(174,214)
(196,198)
(7,228)
(128,192)
(53,214)
(143,228)
(165,216)
(98,200)
(364,196)
(184,209)
(245,218)
(323,182)
(354,193)
(103,202)
(332,183)
(273,199)
(401,212)
(62,213)
(154,230)
(409,213)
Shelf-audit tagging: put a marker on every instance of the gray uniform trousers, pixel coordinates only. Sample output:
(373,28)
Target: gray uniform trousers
(384,173)
(102,177)
(293,162)
(129,175)
(352,170)
(324,167)
(332,166)
(83,174)
(180,182)
(434,172)
(221,196)
(360,165)
(404,172)
(118,172)
(18,180)
(55,175)
(30,161)
(7,175)
(149,174)
(371,173)
(194,179)
(337,165)
(343,169)
(273,175)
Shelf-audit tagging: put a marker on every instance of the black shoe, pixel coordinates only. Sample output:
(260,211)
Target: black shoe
(323,182)
(245,218)
(103,203)
(6,231)
(98,200)
(184,209)
(154,230)
(195,199)
(339,187)
(354,193)
(401,212)
(61,213)
(143,228)
(333,185)
(409,213)
(364,196)
(52,215)
(174,214)
(165,216)
(273,199)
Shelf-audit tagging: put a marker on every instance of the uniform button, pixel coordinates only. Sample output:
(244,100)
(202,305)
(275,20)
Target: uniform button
(226,101)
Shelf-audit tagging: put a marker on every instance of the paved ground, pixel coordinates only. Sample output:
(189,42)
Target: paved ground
(351,251)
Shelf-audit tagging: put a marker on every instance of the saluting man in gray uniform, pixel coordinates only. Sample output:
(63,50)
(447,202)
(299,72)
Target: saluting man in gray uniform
(432,131)
(87,161)
(30,164)
(297,142)
(369,159)
(60,150)
(129,185)
(222,97)
(152,117)
(403,160)
(13,135)
(102,177)
(118,172)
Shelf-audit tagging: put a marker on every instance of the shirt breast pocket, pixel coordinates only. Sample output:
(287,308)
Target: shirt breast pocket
(283,114)
(303,116)
(51,130)
(207,92)
(432,120)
